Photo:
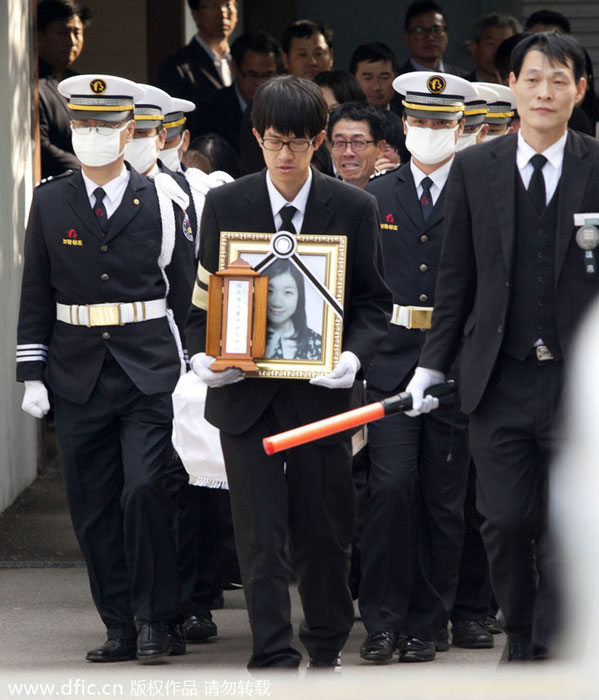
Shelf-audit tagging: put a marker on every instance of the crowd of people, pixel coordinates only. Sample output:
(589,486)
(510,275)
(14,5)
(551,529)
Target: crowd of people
(456,192)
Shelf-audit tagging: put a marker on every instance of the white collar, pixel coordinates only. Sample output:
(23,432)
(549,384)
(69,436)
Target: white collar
(215,56)
(554,154)
(438,176)
(277,201)
(113,188)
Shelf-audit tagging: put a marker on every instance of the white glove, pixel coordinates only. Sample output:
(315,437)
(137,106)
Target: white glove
(423,378)
(343,375)
(200,364)
(35,399)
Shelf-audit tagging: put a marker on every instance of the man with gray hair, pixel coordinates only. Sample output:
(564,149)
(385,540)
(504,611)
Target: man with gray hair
(489,32)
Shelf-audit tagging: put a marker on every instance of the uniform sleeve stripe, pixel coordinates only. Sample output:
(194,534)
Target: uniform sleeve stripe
(202,275)
(200,298)
(33,358)
(32,353)
(32,346)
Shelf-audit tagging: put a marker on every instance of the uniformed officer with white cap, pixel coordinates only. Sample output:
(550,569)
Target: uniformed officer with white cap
(413,529)
(475,115)
(501,111)
(101,277)
(177,134)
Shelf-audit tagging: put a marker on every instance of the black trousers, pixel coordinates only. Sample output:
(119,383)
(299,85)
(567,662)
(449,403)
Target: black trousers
(305,494)
(413,528)
(513,435)
(113,452)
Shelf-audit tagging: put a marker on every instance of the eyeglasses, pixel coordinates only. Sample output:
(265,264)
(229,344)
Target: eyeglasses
(357,146)
(258,76)
(433,31)
(296,146)
(229,6)
(102,129)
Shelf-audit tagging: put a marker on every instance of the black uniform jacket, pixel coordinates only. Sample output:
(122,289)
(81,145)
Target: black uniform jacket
(411,250)
(68,260)
(474,280)
(333,208)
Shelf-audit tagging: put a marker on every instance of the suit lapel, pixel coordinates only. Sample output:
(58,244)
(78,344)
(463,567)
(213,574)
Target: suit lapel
(259,209)
(575,175)
(78,201)
(131,204)
(408,197)
(318,214)
(501,172)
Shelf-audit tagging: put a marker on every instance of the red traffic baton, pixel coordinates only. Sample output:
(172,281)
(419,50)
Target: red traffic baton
(350,419)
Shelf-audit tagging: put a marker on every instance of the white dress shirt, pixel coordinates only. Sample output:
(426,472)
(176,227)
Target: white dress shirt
(552,170)
(277,202)
(438,176)
(221,63)
(115,189)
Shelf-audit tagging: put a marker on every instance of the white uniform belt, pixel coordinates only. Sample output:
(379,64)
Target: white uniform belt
(115,314)
(412,316)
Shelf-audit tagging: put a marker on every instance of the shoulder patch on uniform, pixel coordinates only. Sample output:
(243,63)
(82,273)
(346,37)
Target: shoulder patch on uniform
(51,178)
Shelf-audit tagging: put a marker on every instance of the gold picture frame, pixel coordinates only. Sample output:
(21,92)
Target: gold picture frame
(317,265)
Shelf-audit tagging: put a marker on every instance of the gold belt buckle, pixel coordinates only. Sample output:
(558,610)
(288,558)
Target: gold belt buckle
(109,315)
(543,353)
(420,317)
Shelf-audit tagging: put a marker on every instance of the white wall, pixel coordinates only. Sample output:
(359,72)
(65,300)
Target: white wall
(18,432)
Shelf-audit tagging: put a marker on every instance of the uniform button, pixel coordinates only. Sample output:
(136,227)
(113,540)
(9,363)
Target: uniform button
(500,329)
(540,327)
(104,277)
(423,297)
(103,248)
(106,335)
(541,255)
(508,284)
(423,238)
(540,232)
(423,268)
(540,302)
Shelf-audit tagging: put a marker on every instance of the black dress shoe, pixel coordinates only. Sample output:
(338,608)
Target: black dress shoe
(198,629)
(175,630)
(471,634)
(153,641)
(442,641)
(492,624)
(319,665)
(379,646)
(516,649)
(415,649)
(113,650)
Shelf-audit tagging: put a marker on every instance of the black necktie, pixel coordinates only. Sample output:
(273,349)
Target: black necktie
(426,200)
(100,209)
(536,187)
(287,213)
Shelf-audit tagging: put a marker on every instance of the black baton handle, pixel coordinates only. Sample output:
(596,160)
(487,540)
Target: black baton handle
(403,402)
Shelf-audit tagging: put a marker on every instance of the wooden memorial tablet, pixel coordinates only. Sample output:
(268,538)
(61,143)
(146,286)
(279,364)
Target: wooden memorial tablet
(236,323)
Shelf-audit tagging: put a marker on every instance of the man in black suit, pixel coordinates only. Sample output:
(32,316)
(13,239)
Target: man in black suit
(308,491)
(513,284)
(60,29)
(425,35)
(255,57)
(489,32)
(105,272)
(198,70)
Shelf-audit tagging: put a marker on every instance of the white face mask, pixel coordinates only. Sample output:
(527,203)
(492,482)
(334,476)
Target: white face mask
(142,153)
(466,140)
(170,156)
(431,146)
(95,148)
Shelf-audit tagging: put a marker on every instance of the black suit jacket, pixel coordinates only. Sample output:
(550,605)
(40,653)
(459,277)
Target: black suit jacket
(67,259)
(55,130)
(221,115)
(408,242)
(447,68)
(474,280)
(333,208)
(190,73)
